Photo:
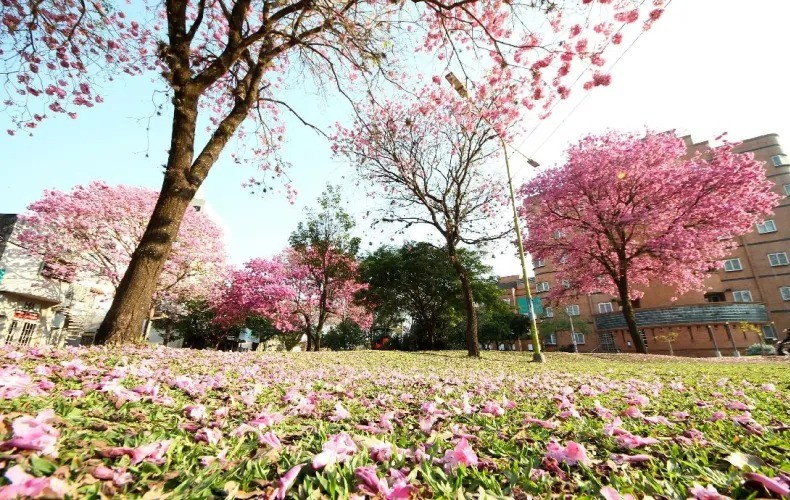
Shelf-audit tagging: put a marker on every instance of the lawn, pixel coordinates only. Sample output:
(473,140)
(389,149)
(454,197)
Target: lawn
(160,422)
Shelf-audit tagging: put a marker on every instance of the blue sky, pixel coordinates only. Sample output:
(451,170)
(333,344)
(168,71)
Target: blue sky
(707,67)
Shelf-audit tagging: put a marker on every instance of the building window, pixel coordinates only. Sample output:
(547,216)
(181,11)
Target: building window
(549,312)
(543,286)
(558,234)
(606,342)
(715,297)
(605,307)
(28,329)
(742,296)
(644,336)
(578,337)
(550,339)
(9,338)
(778,259)
(572,310)
(564,258)
(733,265)
(768,226)
(779,160)
(506,301)
(29,306)
(542,262)
(787,189)
(769,332)
(784,291)
(566,284)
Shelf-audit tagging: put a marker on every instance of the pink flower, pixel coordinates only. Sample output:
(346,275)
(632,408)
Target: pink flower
(338,449)
(34,434)
(630,441)
(768,387)
(380,452)
(340,413)
(118,476)
(208,435)
(25,485)
(370,483)
(738,405)
(572,453)
(680,415)
(719,415)
(493,408)
(462,454)
(543,423)
(707,493)
(633,412)
(426,423)
(638,400)
(196,412)
(779,485)
(271,439)
(153,452)
(609,493)
(287,481)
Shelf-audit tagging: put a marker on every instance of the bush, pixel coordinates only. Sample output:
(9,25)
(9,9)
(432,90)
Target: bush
(760,350)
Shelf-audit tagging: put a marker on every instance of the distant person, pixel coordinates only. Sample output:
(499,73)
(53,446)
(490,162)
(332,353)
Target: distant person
(782,347)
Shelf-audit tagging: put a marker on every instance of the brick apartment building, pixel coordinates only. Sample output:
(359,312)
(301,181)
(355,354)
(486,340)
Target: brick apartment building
(745,302)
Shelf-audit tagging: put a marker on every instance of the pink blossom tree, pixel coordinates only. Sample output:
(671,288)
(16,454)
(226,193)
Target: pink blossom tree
(92,232)
(230,59)
(431,160)
(296,293)
(628,209)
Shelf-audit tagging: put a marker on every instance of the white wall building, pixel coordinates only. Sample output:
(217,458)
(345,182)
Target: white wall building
(35,309)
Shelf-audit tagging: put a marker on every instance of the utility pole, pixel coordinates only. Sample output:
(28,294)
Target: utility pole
(533,324)
(573,332)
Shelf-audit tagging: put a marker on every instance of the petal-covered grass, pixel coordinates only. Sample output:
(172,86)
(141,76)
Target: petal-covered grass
(200,424)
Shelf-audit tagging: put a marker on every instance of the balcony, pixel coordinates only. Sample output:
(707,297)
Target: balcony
(694,314)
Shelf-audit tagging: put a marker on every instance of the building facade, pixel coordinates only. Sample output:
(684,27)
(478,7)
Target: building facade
(745,302)
(36,309)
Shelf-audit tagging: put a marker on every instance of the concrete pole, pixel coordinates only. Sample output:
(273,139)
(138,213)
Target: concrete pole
(735,352)
(573,334)
(713,339)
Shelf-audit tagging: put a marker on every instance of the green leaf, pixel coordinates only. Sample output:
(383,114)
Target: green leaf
(41,466)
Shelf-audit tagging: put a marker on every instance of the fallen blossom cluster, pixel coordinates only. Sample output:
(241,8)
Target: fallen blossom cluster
(133,421)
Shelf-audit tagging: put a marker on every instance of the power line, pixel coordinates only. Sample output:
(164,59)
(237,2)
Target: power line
(579,103)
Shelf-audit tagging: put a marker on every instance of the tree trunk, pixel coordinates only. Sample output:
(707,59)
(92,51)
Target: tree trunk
(166,337)
(671,352)
(309,346)
(124,320)
(318,328)
(472,347)
(630,318)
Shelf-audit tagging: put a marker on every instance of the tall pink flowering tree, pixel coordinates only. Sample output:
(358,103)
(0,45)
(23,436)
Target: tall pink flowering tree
(431,159)
(627,209)
(229,59)
(296,293)
(92,231)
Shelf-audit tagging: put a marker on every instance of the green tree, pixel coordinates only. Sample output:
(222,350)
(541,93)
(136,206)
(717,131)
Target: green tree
(345,336)
(325,245)
(562,322)
(418,281)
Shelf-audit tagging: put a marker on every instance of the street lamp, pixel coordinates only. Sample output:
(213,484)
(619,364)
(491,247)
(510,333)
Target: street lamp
(533,325)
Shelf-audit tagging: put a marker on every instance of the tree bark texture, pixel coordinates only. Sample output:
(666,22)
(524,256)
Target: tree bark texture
(630,317)
(133,298)
(472,346)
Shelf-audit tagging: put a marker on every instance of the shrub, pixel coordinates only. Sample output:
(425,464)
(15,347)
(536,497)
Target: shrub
(760,350)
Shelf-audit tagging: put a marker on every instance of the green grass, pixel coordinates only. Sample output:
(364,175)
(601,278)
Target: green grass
(511,454)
